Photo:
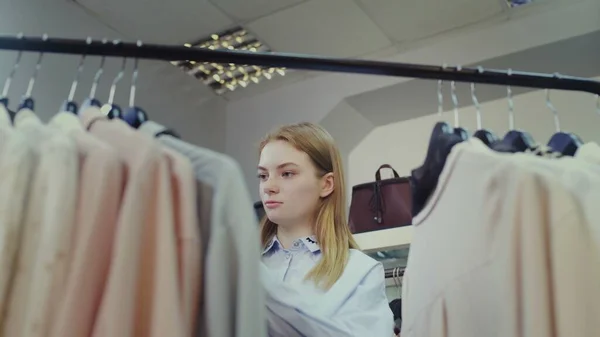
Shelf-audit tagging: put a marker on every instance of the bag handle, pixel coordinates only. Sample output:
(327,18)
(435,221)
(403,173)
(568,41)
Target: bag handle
(378,172)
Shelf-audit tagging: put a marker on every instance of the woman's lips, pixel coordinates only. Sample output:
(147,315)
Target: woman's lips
(272,204)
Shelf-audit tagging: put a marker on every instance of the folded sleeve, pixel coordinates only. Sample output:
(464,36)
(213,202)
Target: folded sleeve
(365,312)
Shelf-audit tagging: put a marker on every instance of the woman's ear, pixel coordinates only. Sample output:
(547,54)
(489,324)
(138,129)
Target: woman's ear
(327,185)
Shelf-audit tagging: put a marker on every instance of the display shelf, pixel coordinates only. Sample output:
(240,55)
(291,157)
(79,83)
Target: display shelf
(385,239)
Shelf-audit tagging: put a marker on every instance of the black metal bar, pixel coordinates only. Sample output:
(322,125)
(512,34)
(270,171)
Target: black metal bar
(298,61)
(391,272)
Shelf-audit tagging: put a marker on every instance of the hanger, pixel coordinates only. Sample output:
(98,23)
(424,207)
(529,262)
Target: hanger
(485,135)
(70,105)
(598,104)
(425,177)
(91,101)
(110,109)
(135,116)
(514,140)
(4,109)
(397,281)
(27,102)
(461,132)
(563,142)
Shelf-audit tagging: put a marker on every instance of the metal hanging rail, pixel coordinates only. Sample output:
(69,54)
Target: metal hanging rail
(298,61)
(391,272)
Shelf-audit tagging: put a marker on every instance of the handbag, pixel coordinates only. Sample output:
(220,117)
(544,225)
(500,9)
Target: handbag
(381,204)
(259,209)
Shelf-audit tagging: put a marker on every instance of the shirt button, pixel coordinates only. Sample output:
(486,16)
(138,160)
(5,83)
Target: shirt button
(296,244)
(287,256)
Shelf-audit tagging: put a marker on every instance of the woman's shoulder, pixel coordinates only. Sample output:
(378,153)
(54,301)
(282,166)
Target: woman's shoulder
(362,262)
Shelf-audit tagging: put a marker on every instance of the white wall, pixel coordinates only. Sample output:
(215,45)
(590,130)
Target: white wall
(403,145)
(311,100)
(168,95)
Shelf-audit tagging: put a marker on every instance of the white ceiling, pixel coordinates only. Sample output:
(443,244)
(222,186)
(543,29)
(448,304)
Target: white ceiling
(577,56)
(327,27)
(340,28)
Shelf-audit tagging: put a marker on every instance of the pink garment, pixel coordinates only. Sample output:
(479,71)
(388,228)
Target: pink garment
(502,248)
(188,233)
(142,293)
(100,192)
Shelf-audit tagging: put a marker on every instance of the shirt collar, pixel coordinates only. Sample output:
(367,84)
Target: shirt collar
(309,242)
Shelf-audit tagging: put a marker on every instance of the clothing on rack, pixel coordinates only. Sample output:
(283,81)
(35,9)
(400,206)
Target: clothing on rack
(527,262)
(108,231)
(229,228)
(46,230)
(96,219)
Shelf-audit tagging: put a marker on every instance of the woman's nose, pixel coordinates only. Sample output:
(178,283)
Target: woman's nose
(269,187)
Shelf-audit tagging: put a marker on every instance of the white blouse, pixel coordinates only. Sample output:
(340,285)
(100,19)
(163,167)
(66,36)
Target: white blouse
(356,305)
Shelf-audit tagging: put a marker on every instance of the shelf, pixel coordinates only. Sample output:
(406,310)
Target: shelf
(385,239)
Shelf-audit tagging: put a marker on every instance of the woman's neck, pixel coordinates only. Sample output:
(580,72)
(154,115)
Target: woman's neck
(287,235)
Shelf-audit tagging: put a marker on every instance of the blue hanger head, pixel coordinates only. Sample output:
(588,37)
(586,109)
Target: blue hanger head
(515,141)
(462,133)
(486,136)
(135,116)
(565,143)
(112,111)
(91,102)
(4,102)
(70,106)
(27,103)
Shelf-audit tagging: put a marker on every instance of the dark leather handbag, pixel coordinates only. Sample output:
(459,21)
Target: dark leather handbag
(259,210)
(381,204)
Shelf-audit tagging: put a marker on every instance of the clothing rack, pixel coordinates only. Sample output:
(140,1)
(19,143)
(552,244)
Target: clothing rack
(389,272)
(297,61)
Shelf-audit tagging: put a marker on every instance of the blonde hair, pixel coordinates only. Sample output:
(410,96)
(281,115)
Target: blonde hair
(331,225)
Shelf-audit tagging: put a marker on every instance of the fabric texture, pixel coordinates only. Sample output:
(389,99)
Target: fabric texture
(141,297)
(356,305)
(100,192)
(515,274)
(17,166)
(233,297)
(50,217)
(188,233)
(589,152)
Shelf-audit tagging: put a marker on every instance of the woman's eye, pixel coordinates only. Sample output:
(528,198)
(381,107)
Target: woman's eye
(262,176)
(287,174)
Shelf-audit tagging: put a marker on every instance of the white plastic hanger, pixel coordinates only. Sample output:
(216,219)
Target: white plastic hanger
(5,119)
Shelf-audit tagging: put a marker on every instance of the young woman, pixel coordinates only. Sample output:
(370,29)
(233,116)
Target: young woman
(318,283)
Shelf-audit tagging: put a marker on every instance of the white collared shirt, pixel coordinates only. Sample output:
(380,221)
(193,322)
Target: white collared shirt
(356,305)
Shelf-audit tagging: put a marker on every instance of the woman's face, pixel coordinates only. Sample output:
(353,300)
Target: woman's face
(290,187)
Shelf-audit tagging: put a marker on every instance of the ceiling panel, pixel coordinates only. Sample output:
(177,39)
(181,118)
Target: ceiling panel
(172,77)
(158,21)
(275,82)
(404,20)
(326,27)
(577,56)
(248,10)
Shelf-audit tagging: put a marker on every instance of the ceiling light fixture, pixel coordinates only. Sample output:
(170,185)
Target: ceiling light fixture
(229,77)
